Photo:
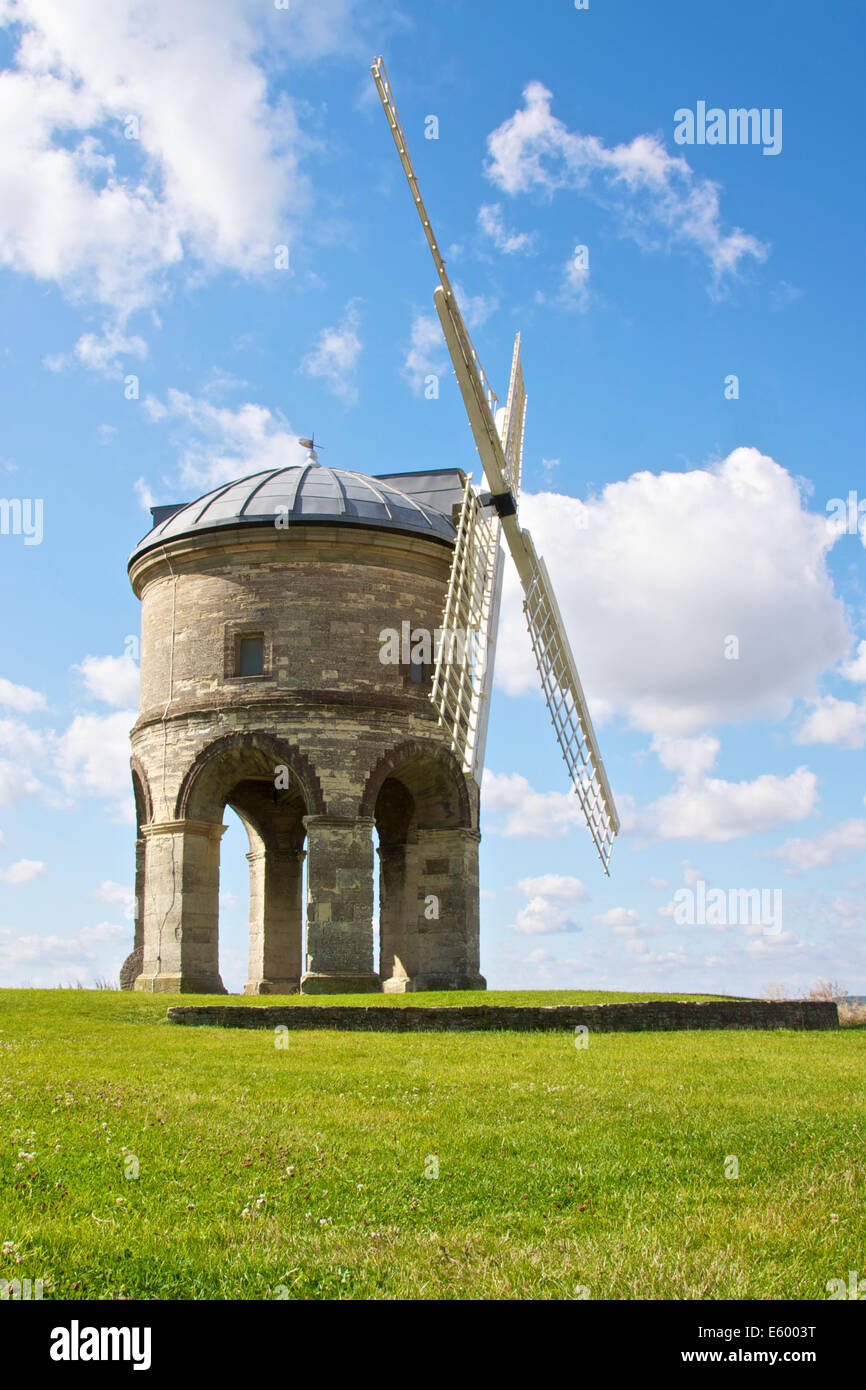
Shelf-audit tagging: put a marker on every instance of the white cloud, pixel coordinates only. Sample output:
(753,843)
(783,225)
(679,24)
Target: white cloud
(657,197)
(218,445)
(538,815)
(668,567)
(834,846)
(838,722)
(716,811)
(554,886)
(92,757)
(101,353)
(214,178)
(20,697)
(690,756)
(334,358)
(855,670)
(111,892)
(143,493)
(492,224)
(426,355)
(575,285)
(112,679)
(659,883)
(43,962)
(24,871)
(620,918)
(541,917)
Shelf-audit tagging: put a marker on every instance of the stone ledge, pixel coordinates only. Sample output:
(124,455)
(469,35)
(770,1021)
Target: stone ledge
(651,1016)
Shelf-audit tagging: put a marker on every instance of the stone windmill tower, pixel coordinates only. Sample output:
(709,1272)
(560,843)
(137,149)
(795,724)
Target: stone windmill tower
(317,653)
(267,685)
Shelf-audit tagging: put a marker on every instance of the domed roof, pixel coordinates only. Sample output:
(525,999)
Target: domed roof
(307,492)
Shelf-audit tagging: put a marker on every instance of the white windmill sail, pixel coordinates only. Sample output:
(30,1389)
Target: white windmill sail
(501,459)
(460,687)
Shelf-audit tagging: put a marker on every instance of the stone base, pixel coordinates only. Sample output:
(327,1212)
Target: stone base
(317,983)
(273,986)
(422,983)
(179,984)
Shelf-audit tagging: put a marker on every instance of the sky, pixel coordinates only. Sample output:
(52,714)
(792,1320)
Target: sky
(207,249)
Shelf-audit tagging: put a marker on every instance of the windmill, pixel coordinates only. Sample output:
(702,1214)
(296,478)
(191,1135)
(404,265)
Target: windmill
(461,691)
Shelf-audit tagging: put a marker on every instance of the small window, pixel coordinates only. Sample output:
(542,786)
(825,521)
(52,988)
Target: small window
(417,672)
(251,656)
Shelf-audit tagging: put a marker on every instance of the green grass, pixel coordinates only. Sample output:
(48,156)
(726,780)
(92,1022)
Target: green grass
(559,1168)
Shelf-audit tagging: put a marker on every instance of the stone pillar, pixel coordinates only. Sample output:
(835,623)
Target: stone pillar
(339,906)
(181,908)
(398,916)
(276,921)
(131,968)
(447,907)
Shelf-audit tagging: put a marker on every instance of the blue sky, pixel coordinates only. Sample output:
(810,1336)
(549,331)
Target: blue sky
(672,516)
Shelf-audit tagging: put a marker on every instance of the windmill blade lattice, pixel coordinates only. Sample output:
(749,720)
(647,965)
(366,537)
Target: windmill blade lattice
(459,688)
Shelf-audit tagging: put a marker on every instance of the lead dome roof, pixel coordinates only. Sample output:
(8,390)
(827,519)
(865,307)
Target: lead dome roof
(307,492)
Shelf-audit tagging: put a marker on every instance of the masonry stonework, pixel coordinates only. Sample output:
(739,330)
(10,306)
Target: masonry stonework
(313,754)
(663,1015)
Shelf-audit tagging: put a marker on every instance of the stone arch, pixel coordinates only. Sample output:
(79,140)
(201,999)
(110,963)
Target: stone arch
(234,758)
(239,770)
(432,775)
(131,968)
(141,793)
(418,797)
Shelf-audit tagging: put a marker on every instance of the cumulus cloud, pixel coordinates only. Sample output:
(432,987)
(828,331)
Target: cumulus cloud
(492,224)
(24,871)
(622,919)
(542,917)
(834,846)
(92,757)
(855,670)
(536,815)
(102,353)
(657,198)
(218,444)
(117,164)
(44,962)
(711,809)
(667,569)
(334,357)
(554,886)
(112,679)
(838,722)
(20,697)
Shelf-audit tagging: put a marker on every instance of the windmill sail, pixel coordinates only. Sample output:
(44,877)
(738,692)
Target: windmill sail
(460,686)
(501,460)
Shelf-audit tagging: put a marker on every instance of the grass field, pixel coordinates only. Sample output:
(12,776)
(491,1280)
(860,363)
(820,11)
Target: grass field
(303,1172)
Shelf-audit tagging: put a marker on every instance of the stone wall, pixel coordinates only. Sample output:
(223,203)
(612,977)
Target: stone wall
(653,1016)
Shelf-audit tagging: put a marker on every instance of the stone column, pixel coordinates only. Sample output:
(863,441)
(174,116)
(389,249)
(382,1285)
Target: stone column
(448,925)
(398,916)
(339,906)
(276,921)
(181,908)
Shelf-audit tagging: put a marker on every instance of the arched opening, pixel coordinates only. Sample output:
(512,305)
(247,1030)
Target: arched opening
(428,867)
(132,966)
(268,788)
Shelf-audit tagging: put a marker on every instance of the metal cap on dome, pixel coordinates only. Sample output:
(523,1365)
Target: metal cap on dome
(312,456)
